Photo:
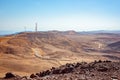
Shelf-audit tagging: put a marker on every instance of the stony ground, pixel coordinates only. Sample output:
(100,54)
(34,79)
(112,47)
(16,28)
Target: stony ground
(97,70)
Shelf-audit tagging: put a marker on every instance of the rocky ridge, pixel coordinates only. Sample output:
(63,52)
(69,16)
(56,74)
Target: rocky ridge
(97,70)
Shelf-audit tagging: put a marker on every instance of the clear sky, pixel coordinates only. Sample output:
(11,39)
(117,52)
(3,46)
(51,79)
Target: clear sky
(79,15)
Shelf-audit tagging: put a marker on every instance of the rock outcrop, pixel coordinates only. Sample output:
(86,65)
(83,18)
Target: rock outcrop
(98,70)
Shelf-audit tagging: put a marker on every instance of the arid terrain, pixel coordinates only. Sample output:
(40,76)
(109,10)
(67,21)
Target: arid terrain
(31,52)
(98,70)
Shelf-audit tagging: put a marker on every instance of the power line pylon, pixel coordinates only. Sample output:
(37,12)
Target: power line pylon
(35,27)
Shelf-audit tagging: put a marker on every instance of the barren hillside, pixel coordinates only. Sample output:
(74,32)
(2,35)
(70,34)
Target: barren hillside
(30,52)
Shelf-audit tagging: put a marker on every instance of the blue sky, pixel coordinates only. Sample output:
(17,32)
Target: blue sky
(79,15)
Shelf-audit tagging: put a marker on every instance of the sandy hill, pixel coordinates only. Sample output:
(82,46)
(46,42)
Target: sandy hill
(29,52)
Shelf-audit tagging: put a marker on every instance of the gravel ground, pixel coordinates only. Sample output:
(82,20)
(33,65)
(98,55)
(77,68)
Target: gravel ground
(97,70)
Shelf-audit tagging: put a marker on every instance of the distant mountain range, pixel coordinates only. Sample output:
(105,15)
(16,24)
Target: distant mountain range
(6,32)
(84,32)
(102,31)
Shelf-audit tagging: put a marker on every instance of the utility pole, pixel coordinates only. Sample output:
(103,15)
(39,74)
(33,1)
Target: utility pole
(25,28)
(35,27)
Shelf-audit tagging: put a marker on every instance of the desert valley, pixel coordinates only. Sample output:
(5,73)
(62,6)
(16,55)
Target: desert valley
(31,52)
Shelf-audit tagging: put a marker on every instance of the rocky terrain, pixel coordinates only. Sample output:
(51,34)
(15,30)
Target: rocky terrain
(97,70)
(29,52)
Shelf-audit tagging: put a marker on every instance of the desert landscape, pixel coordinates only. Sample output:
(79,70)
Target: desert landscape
(26,53)
(59,39)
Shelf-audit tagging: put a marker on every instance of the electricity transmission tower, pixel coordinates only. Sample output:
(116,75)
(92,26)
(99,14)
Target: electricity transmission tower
(35,27)
(25,28)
